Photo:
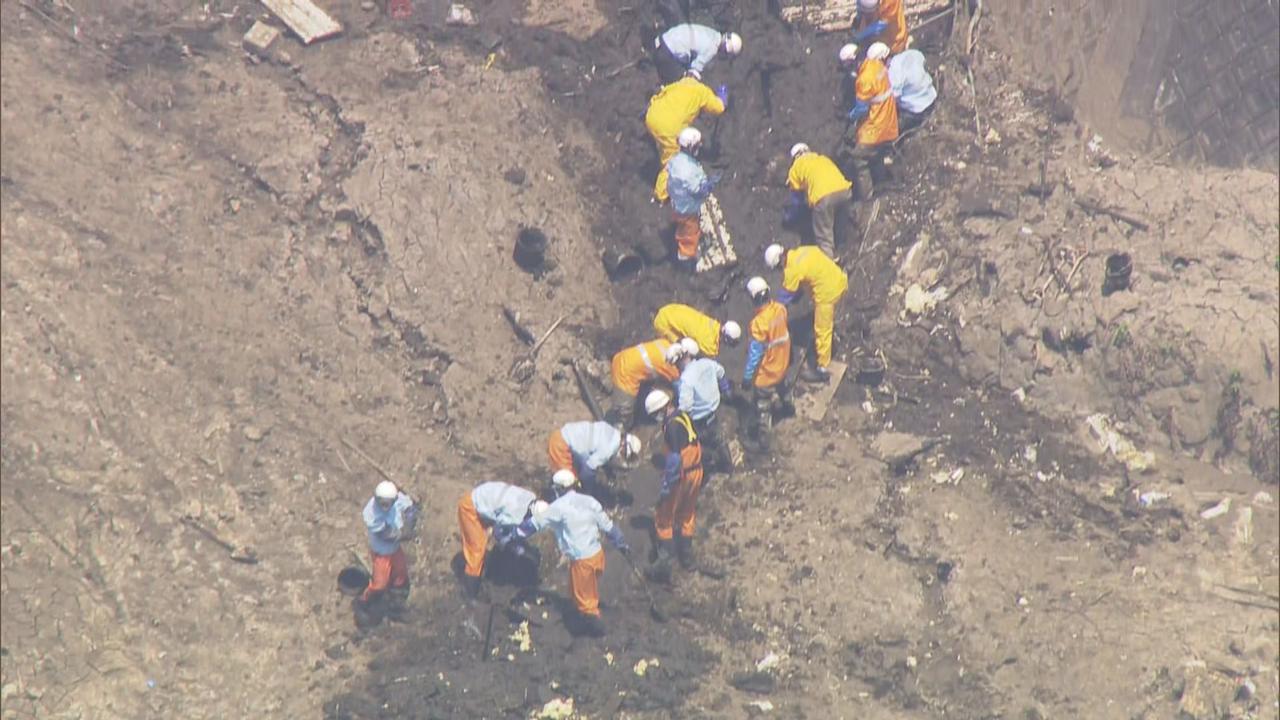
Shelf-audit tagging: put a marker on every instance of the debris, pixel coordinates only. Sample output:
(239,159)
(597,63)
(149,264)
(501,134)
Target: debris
(513,319)
(523,368)
(1263,498)
(768,662)
(1111,441)
(460,14)
(642,666)
(834,15)
(309,22)
(918,301)
(368,5)
(1207,694)
(258,40)
(555,709)
(1097,209)
(522,638)
(608,659)
(254,433)
(897,449)
(239,553)
(754,681)
(993,137)
(942,477)
(759,707)
(1218,510)
(716,248)
(1151,497)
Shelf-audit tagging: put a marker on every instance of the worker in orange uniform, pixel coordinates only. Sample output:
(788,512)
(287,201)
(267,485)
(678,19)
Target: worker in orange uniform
(676,516)
(809,267)
(675,321)
(492,505)
(882,20)
(636,368)
(814,179)
(587,447)
(577,521)
(390,517)
(768,357)
(876,112)
(673,109)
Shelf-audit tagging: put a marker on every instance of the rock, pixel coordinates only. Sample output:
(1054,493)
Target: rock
(515,176)
(754,681)
(897,449)
(1207,695)
(757,708)
(254,433)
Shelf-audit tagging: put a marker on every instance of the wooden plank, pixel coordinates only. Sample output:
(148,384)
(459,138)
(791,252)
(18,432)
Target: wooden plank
(307,21)
(716,247)
(260,37)
(834,15)
(813,404)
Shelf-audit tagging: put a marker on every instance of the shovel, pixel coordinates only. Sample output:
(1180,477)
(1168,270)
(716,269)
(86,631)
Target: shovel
(522,369)
(654,610)
(239,553)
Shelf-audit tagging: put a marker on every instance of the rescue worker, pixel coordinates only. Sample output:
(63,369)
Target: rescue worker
(688,186)
(675,518)
(882,20)
(768,358)
(876,113)
(675,321)
(390,516)
(586,447)
(912,89)
(816,180)
(636,368)
(702,385)
(689,48)
(577,521)
(673,109)
(809,268)
(491,505)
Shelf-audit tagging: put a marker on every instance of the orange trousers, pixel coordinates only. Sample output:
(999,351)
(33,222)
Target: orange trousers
(583,578)
(688,233)
(388,571)
(558,452)
(474,538)
(679,508)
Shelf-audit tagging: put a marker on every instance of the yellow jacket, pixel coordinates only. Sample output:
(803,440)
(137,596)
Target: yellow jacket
(817,176)
(809,266)
(675,321)
(677,105)
(634,365)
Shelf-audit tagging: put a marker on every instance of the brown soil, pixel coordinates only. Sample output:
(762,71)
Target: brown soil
(217,269)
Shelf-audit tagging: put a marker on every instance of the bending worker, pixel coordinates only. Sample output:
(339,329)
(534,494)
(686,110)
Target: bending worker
(675,518)
(815,179)
(876,113)
(912,88)
(673,109)
(577,521)
(808,267)
(495,505)
(675,321)
(882,20)
(699,390)
(586,447)
(688,186)
(768,357)
(636,368)
(689,48)
(390,516)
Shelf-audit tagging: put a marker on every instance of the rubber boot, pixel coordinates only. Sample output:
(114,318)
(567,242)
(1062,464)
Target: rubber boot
(815,374)
(470,587)
(660,570)
(684,548)
(592,625)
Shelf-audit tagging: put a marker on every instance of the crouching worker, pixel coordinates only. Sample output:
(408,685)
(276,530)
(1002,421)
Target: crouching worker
(491,505)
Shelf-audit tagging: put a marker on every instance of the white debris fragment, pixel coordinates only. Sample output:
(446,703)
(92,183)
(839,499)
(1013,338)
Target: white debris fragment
(1222,508)
(522,638)
(768,662)
(608,659)
(1263,498)
(1151,497)
(761,705)
(993,137)
(1031,454)
(1111,441)
(918,301)
(460,14)
(1020,395)
(555,709)
(642,666)
(912,662)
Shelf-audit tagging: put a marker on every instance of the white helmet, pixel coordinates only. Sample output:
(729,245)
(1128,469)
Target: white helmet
(773,255)
(757,284)
(564,479)
(732,330)
(689,138)
(689,347)
(868,4)
(798,149)
(539,507)
(877,51)
(656,400)
(386,490)
(732,43)
(848,53)
(693,74)
(631,446)
(673,353)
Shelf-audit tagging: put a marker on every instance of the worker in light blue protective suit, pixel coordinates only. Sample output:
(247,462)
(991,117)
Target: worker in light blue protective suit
(702,384)
(688,48)
(912,87)
(390,516)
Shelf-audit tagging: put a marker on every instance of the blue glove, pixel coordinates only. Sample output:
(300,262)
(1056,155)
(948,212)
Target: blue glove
(620,542)
(791,211)
(503,534)
(858,111)
(870,31)
(722,92)
(714,179)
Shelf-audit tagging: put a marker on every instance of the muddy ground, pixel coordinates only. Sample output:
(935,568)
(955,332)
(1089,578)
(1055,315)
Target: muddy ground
(222,272)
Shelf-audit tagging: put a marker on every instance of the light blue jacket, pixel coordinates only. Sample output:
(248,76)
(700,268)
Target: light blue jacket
(387,526)
(692,44)
(593,444)
(687,184)
(501,504)
(910,82)
(577,521)
(699,387)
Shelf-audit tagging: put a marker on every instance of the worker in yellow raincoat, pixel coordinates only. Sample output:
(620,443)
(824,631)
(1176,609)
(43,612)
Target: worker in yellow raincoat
(814,179)
(675,321)
(809,267)
(673,109)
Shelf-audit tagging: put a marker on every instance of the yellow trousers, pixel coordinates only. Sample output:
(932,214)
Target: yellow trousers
(667,149)
(824,321)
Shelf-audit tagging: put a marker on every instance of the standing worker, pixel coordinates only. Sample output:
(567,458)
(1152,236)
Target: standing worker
(586,447)
(390,517)
(882,20)
(688,186)
(768,357)
(496,505)
(815,179)
(689,48)
(876,113)
(675,518)
(808,267)
(675,321)
(578,520)
(699,390)
(673,109)
(912,88)
(636,368)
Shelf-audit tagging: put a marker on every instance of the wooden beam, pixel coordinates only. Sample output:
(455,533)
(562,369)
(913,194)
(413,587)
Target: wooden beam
(309,22)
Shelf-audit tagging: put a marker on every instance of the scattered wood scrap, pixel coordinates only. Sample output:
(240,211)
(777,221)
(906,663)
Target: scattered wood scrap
(833,15)
(260,37)
(813,404)
(1094,208)
(716,248)
(309,22)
